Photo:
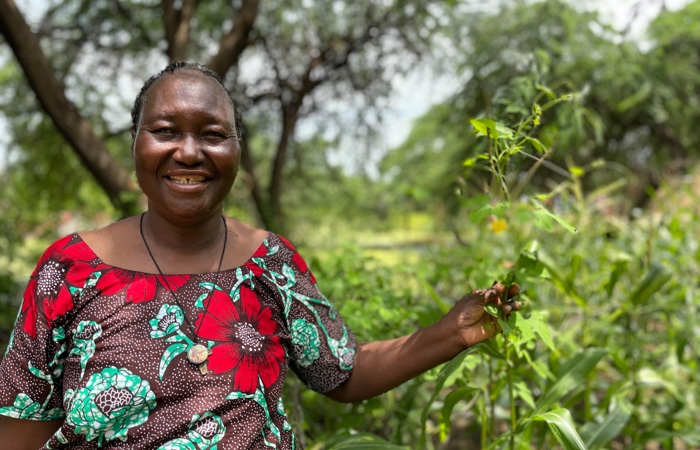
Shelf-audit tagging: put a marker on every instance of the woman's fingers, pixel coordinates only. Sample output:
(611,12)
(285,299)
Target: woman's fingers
(511,306)
(513,290)
(497,291)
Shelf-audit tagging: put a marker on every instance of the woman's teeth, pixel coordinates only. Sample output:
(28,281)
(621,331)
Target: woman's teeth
(187,180)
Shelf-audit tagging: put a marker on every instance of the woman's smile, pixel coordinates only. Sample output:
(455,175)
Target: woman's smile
(186,180)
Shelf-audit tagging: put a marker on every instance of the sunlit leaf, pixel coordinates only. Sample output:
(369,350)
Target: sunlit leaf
(572,375)
(559,421)
(536,323)
(611,426)
(491,128)
(545,219)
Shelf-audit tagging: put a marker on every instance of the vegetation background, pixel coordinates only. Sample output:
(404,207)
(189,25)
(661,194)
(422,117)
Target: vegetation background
(565,158)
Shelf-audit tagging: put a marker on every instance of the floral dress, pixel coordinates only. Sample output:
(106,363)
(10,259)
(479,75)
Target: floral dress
(105,350)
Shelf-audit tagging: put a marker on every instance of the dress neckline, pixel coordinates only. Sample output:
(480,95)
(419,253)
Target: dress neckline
(232,269)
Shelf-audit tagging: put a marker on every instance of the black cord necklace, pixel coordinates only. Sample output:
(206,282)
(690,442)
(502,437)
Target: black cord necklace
(198,353)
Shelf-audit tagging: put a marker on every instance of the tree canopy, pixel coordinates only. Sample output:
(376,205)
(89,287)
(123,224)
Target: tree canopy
(632,108)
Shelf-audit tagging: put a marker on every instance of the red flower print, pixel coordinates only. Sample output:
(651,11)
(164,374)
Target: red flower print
(301,264)
(299,261)
(286,242)
(246,343)
(62,266)
(137,286)
(259,253)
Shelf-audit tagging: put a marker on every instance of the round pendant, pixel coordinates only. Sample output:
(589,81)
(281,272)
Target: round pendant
(197,354)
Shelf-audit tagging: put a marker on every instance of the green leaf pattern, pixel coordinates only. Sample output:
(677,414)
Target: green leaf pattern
(204,432)
(84,337)
(168,322)
(259,398)
(113,401)
(338,347)
(305,339)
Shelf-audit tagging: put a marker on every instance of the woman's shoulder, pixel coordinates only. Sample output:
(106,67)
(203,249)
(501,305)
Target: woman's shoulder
(245,240)
(114,241)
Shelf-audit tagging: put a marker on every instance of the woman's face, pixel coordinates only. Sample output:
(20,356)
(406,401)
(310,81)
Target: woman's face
(186,151)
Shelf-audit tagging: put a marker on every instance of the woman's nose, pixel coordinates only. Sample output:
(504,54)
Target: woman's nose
(189,151)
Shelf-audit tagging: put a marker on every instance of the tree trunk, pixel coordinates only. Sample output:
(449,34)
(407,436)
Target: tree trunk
(112,177)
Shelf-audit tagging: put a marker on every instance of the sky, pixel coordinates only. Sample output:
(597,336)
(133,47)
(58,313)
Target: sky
(414,94)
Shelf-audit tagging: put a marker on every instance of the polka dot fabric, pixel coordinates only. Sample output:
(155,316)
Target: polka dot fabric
(105,350)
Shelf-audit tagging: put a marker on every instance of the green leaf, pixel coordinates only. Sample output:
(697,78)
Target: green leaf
(507,329)
(199,303)
(544,219)
(576,171)
(362,441)
(559,421)
(491,310)
(652,282)
(524,392)
(447,370)
(638,97)
(536,323)
(450,401)
(572,375)
(650,377)
(480,214)
(619,268)
(492,129)
(489,348)
(611,426)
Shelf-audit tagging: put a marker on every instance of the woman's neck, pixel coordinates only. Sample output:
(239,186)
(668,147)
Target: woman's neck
(188,238)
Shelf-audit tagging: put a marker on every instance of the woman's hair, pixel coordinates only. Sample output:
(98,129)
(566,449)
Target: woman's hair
(170,69)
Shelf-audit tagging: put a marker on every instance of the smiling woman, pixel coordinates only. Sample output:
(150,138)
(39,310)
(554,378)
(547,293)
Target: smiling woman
(175,329)
(185,145)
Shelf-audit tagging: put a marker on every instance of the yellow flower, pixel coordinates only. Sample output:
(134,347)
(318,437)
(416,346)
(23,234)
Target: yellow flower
(498,226)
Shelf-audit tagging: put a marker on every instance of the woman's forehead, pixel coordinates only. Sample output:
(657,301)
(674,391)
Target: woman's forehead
(188,88)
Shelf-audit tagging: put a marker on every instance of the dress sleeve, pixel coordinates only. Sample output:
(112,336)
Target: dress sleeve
(321,348)
(32,368)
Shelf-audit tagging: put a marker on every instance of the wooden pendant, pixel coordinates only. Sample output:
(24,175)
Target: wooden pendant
(198,354)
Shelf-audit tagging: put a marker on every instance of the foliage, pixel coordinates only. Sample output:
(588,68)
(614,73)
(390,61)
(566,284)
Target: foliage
(563,363)
(606,287)
(636,108)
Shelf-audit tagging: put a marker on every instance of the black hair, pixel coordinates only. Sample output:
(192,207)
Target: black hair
(171,68)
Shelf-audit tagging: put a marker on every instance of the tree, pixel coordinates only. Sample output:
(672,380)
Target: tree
(634,106)
(283,61)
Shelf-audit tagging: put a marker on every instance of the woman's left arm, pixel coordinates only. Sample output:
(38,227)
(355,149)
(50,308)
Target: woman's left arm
(383,365)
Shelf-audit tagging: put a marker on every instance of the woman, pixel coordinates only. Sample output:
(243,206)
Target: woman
(174,329)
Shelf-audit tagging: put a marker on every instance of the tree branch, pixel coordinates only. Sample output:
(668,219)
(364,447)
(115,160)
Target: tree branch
(177,27)
(236,40)
(78,132)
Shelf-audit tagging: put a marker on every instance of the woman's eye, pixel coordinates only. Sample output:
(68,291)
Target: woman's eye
(163,131)
(214,135)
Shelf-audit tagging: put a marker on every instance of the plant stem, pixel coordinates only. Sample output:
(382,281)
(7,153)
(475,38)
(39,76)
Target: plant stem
(484,421)
(509,374)
(492,401)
